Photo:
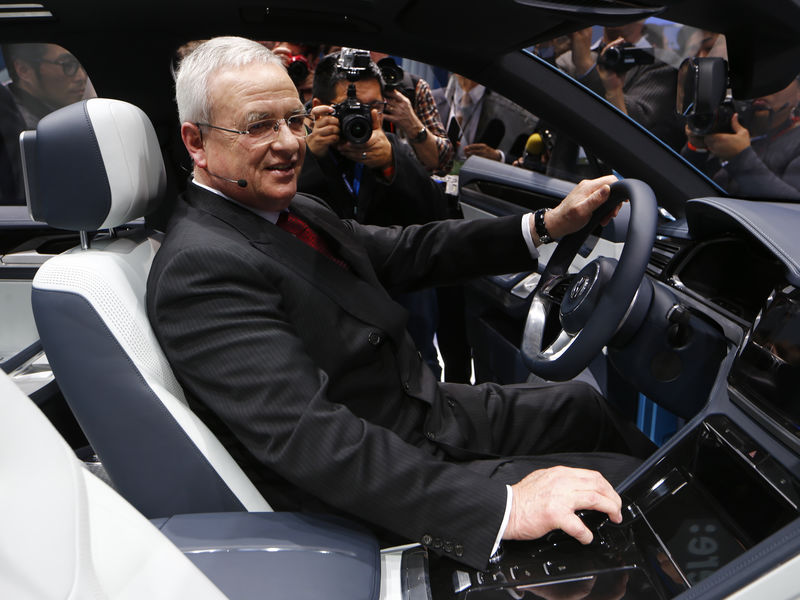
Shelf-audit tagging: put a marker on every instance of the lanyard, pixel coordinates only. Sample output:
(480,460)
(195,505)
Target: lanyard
(353,188)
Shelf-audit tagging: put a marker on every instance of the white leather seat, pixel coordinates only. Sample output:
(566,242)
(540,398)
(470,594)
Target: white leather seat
(90,166)
(66,534)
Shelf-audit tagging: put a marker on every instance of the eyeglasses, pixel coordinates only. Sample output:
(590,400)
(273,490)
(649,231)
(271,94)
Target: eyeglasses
(69,64)
(266,130)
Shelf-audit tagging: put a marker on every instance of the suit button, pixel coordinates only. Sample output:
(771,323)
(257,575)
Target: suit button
(427,539)
(406,385)
(459,550)
(375,338)
(430,435)
(451,404)
(448,546)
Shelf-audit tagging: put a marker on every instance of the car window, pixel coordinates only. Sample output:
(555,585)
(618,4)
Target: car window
(35,79)
(636,67)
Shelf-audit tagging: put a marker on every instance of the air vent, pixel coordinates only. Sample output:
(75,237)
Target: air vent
(24,12)
(664,250)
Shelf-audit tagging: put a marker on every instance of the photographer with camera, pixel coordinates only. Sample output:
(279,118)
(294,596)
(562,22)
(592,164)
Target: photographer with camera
(632,73)
(412,114)
(362,171)
(755,151)
(300,61)
(367,174)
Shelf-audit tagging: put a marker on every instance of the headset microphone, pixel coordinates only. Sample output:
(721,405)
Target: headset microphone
(240,182)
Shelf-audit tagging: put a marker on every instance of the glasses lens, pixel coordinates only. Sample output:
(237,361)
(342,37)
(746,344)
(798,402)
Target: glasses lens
(70,66)
(261,130)
(300,125)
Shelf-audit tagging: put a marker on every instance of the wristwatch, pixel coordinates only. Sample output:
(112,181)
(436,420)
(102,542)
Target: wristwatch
(421,136)
(539,226)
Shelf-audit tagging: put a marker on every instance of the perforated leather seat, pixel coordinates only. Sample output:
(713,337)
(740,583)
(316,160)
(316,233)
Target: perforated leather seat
(66,534)
(91,166)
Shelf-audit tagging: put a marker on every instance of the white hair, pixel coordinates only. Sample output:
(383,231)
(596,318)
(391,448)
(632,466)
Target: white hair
(196,69)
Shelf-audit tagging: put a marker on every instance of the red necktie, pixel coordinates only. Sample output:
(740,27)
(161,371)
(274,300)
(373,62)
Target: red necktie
(302,231)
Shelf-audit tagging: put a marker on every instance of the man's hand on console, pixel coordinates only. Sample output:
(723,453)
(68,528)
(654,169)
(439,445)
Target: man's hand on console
(548,498)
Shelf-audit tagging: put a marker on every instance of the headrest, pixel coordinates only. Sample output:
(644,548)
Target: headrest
(92,165)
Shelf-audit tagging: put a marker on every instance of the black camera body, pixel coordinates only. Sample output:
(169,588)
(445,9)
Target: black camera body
(355,118)
(394,78)
(625,56)
(703,99)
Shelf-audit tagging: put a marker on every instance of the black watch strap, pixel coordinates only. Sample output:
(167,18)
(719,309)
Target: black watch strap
(421,136)
(539,226)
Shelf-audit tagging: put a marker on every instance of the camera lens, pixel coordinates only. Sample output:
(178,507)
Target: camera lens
(356,128)
(611,58)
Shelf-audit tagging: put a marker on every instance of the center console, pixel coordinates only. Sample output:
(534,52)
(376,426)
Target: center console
(713,496)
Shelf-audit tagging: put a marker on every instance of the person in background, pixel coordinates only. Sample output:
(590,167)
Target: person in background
(412,114)
(44,77)
(377,182)
(300,61)
(760,157)
(481,122)
(645,91)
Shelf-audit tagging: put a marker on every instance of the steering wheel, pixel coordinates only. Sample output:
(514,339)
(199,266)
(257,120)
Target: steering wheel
(605,295)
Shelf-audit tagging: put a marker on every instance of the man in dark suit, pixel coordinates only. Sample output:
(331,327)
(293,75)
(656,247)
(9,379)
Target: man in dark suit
(275,316)
(482,122)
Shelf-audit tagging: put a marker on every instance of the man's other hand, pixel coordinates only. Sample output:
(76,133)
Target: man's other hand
(481,149)
(548,498)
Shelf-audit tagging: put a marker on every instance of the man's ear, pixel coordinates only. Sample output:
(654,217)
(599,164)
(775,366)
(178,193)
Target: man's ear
(315,102)
(193,140)
(25,70)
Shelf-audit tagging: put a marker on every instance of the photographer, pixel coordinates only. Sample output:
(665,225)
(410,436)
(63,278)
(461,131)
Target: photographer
(631,73)
(760,157)
(365,173)
(411,113)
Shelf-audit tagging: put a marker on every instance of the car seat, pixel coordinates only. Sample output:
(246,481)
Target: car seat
(67,535)
(97,165)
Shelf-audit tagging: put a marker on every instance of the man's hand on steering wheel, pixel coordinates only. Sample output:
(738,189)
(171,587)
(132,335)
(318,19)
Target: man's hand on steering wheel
(575,210)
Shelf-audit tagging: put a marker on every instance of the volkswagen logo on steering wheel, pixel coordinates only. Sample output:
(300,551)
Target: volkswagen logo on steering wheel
(579,287)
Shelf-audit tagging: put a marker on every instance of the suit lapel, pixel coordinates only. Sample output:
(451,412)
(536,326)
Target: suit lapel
(357,291)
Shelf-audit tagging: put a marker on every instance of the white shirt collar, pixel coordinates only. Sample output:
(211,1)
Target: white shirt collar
(269,215)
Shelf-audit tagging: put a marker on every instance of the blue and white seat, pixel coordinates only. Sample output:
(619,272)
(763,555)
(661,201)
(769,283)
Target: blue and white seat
(92,166)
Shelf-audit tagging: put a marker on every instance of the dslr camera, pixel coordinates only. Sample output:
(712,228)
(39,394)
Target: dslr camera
(394,77)
(704,99)
(625,56)
(355,117)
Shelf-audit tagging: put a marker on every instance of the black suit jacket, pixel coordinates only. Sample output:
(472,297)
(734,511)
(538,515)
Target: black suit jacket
(305,370)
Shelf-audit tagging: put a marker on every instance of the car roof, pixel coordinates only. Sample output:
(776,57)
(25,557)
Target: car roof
(461,35)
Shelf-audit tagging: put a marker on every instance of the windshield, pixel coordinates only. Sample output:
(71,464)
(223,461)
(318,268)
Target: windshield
(750,147)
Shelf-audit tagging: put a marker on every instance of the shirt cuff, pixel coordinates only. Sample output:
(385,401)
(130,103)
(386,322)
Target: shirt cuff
(504,524)
(526,233)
